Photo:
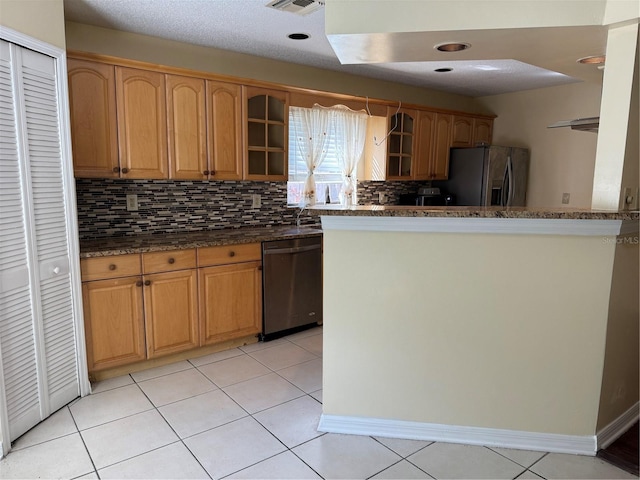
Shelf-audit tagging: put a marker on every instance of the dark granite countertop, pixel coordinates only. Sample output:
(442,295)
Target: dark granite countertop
(472,212)
(179,241)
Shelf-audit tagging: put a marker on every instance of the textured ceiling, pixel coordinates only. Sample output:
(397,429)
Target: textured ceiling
(248,26)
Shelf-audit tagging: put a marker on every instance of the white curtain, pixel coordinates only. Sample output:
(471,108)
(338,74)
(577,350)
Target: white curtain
(312,143)
(350,128)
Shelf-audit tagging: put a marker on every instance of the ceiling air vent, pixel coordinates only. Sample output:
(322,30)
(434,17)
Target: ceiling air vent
(299,7)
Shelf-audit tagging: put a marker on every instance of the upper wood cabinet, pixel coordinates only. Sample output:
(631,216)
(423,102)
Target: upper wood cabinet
(441,145)
(462,131)
(266,119)
(92,104)
(400,144)
(153,123)
(482,131)
(434,141)
(142,123)
(186,128)
(423,164)
(469,131)
(224,130)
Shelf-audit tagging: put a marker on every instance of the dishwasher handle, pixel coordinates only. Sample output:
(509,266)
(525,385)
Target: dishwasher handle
(273,251)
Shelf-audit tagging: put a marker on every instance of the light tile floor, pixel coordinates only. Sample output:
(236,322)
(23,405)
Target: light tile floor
(250,412)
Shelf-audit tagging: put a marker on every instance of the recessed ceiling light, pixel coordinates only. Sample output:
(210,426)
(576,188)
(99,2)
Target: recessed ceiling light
(592,60)
(442,70)
(298,36)
(452,46)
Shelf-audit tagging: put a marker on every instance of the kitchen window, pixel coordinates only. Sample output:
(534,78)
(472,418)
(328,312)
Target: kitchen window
(328,175)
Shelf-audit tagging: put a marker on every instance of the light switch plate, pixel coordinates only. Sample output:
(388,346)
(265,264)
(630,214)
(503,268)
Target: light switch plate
(256,200)
(565,198)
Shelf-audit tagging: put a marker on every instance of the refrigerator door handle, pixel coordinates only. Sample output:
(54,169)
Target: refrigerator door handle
(511,185)
(504,197)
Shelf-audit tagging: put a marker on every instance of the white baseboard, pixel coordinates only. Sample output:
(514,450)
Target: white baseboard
(615,429)
(490,437)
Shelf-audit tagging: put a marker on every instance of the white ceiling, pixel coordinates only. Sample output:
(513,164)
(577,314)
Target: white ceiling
(505,63)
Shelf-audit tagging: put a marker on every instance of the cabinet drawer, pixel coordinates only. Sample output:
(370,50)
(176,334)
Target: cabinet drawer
(169,261)
(115,266)
(229,254)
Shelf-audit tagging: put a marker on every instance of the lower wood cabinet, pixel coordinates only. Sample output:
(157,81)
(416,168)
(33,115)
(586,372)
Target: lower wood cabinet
(171,312)
(230,301)
(114,322)
(230,283)
(144,306)
(143,316)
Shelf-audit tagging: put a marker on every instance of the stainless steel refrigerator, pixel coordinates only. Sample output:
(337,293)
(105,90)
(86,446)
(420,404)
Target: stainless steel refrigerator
(490,175)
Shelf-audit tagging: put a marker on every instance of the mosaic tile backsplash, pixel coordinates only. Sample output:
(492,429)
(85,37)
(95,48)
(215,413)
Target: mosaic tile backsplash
(171,206)
(369,192)
(174,206)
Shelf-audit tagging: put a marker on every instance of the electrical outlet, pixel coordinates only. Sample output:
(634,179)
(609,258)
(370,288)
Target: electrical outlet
(256,200)
(565,198)
(132,202)
(382,198)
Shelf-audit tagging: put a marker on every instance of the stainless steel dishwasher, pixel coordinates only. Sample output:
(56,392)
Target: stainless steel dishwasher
(292,285)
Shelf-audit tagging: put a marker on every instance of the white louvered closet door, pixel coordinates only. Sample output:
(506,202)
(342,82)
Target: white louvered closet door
(38,355)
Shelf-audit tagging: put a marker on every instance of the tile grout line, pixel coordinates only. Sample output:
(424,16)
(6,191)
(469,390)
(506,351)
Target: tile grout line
(248,414)
(95,469)
(180,439)
(274,406)
(403,457)
(510,459)
(252,415)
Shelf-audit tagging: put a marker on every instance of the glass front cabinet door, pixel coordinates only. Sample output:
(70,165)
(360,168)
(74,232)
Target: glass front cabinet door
(267,138)
(402,129)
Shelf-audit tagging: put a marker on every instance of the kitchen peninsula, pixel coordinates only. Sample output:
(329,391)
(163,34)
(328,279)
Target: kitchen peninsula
(509,327)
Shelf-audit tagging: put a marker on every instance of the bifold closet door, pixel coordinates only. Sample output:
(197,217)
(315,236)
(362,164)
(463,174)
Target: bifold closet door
(38,355)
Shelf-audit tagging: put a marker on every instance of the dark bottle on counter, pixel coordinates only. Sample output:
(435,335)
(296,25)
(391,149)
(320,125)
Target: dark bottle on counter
(327,196)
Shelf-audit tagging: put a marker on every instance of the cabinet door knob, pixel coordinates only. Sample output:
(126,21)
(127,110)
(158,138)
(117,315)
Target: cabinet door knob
(112,266)
(232,253)
(171,260)
(116,169)
(139,283)
(125,170)
(206,172)
(212,172)
(56,270)
(147,282)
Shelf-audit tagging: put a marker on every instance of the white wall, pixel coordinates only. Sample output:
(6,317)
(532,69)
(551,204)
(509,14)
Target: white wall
(495,331)
(620,376)
(562,160)
(631,171)
(41,19)
(617,90)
